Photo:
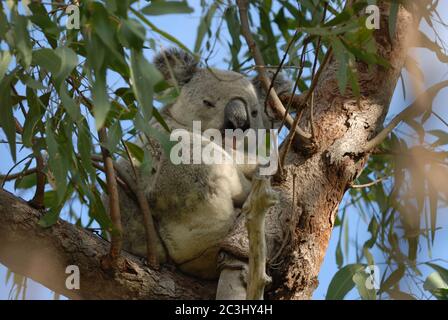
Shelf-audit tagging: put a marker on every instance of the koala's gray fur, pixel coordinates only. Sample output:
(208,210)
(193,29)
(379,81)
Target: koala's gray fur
(194,205)
(281,86)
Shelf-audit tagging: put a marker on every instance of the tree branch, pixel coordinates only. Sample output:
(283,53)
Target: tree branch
(114,203)
(16,175)
(43,255)
(415,109)
(151,240)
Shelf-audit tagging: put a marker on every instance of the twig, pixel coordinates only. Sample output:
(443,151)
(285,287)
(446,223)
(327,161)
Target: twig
(366,185)
(151,239)
(17,175)
(120,181)
(260,199)
(10,170)
(296,85)
(411,111)
(277,71)
(114,203)
(259,61)
(37,201)
(302,62)
(41,179)
(440,118)
(313,85)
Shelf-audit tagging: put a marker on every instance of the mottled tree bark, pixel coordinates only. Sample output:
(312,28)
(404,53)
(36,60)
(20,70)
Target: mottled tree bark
(343,128)
(312,188)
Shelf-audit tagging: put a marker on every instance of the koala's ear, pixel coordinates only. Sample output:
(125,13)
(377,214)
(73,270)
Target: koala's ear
(177,66)
(281,85)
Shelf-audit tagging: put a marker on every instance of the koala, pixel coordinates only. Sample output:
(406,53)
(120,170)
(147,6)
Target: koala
(194,206)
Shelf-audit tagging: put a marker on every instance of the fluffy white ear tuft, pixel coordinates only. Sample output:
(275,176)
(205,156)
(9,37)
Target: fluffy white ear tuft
(177,66)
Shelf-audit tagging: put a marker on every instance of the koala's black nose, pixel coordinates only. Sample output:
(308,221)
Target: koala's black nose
(235,115)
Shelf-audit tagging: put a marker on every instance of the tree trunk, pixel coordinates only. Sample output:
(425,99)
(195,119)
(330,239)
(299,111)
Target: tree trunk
(311,191)
(320,180)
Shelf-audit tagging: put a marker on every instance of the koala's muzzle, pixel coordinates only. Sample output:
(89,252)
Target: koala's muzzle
(235,115)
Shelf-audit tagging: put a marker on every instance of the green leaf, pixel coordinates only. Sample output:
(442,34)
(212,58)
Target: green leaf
(204,26)
(417,127)
(394,7)
(26,182)
(34,116)
(368,57)
(144,76)
(150,131)
(114,135)
(159,31)
(373,229)
(400,295)
(68,61)
(41,18)
(47,59)
(393,279)
(435,284)
(29,81)
(433,196)
(160,119)
(4,26)
(98,212)
(131,34)
(5,59)
(135,151)
(160,7)
(7,118)
(233,25)
(339,255)
(101,105)
(442,271)
(342,282)
(342,57)
(56,163)
(442,137)
(120,7)
(69,104)
(425,42)
(145,169)
(412,66)
(50,218)
(360,279)
(85,148)
(22,39)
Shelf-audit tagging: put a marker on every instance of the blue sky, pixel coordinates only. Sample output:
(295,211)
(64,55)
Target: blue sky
(184,27)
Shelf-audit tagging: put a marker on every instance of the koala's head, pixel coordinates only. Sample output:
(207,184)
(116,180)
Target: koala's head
(219,99)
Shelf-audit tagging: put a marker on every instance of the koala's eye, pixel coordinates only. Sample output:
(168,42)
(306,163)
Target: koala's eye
(254,113)
(208,104)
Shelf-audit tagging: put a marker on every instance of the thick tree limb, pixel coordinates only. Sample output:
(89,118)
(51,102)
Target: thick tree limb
(43,254)
(343,123)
